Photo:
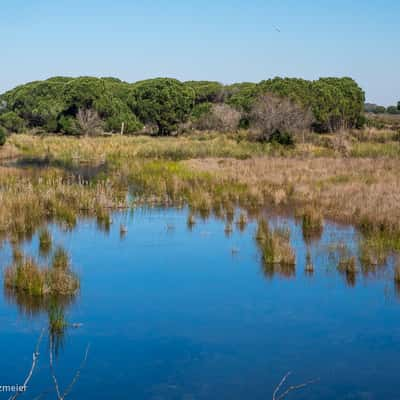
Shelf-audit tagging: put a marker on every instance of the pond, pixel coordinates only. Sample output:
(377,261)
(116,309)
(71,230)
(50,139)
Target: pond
(172,311)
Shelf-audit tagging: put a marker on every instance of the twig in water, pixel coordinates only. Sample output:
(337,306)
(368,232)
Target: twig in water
(53,374)
(75,378)
(292,388)
(35,357)
(77,374)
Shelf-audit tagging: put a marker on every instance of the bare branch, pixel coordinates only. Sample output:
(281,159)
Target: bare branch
(53,374)
(271,113)
(35,357)
(292,388)
(77,374)
(280,385)
(89,122)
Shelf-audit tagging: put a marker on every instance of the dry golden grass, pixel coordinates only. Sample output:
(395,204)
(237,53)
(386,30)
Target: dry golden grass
(362,191)
(216,176)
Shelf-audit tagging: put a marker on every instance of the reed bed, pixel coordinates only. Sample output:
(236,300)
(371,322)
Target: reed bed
(27,276)
(211,173)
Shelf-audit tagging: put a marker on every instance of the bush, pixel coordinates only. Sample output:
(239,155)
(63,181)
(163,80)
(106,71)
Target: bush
(393,110)
(68,125)
(163,101)
(282,138)
(37,103)
(273,117)
(13,122)
(3,136)
(336,103)
(206,91)
(89,122)
(221,117)
(53,104)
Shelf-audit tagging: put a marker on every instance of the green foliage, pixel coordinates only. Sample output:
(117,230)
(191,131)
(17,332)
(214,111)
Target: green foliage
(241,95)
(82,93)
(298,90)
(38,103)
(3,136)
(393,110)
(207,91)
(68,125)
(201,109)
(374,108)
(283,138)
(335,102)
(53,104)
(164,102)
(12,122)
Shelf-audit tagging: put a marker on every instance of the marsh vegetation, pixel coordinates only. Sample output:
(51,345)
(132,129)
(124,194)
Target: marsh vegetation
(272,172)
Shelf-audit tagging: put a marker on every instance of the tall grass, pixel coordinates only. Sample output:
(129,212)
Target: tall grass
(27,276)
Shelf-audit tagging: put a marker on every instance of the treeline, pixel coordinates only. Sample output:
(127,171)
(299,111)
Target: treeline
(164,106)
(377,109)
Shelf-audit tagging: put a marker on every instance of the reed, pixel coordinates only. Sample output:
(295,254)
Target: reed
(45,241)
(27,276)
(275,245)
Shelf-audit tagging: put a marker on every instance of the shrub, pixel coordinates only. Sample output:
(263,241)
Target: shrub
(68,125)
(273,117)
(221,117)
(207,91)
(89,122)
(241,95)
(282,138)
(163,101)
(13,122)
(3,136)
(38,103)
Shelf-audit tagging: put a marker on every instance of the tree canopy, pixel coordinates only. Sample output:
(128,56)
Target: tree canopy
(165,104)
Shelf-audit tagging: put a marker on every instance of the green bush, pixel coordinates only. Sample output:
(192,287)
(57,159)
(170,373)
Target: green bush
(38,103)
(68,125)
(164,102)
(283,138)
(3,136)
(200,109)
(13,122)
(207,91)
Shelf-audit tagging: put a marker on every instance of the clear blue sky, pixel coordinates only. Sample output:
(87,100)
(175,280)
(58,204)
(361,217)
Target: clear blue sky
(227,41)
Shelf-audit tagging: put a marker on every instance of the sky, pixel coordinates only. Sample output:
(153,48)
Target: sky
(221,40)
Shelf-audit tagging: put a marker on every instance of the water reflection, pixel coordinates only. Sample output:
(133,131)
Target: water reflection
(172,318)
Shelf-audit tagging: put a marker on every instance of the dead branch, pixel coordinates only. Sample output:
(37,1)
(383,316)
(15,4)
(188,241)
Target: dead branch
(77,374)
(53,374)
(292,388)
(74,379)
(35,357)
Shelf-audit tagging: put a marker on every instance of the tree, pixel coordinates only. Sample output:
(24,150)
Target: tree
(38,103)
(219,117)
(398,105)
(163,101)
(392,110)
(12,121)
(274,117)
(207,91)
(88,121)
(3,136)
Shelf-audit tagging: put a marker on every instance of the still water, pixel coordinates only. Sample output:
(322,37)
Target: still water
(178,313)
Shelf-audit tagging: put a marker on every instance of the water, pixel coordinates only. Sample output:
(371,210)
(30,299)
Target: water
(173,313)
